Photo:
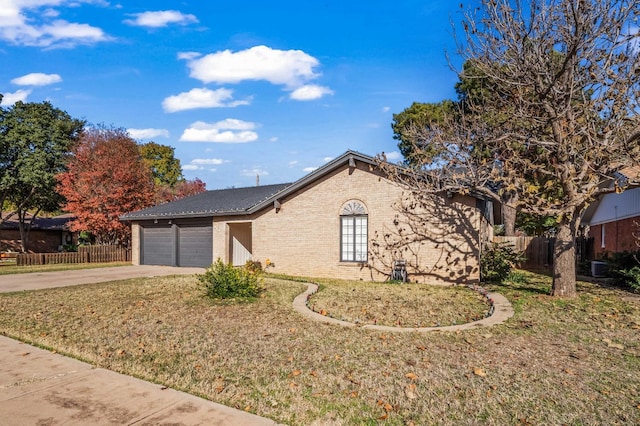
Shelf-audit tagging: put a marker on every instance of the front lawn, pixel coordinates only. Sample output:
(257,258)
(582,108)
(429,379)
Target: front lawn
(556,361)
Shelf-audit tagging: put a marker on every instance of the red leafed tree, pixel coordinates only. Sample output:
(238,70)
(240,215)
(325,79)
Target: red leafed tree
(184,188)
(105,178)
(187,188)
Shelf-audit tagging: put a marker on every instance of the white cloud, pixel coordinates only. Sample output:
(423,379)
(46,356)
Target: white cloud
(327,159)
(386,109)
(226,131)
(273,139)
(208,161)
(148,133)
(12,98)
(393,155)
(33,23)
(37,79)
(310,92)
(161,18)
(188,56)
(201,98)
(291,68)
(293,163)
(255,172)
(191,167)
(309,169)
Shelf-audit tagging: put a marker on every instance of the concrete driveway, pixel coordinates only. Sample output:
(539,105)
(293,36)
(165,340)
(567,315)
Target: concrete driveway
(40,280)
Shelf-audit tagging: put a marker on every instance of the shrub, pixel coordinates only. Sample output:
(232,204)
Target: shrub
(631,277)
(224,281)
(624,268)
(497,261)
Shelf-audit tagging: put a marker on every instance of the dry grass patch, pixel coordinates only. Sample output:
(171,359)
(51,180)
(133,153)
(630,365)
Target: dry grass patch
(404,305)
(556,361)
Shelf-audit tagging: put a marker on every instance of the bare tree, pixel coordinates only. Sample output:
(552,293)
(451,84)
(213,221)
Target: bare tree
(562,118)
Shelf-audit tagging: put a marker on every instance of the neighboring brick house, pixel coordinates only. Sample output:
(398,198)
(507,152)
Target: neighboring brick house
(344,220)
(614,220)
(615,224)
(47,235)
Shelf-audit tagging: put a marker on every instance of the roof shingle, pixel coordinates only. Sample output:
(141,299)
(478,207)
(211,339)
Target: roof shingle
(210,203)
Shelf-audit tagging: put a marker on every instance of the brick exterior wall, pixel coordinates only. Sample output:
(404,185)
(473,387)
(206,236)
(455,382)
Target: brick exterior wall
(619,236)
(303,237)
(39,241)
(135,244)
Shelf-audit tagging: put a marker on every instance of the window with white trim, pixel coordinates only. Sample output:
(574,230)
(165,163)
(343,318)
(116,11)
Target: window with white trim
(353,233)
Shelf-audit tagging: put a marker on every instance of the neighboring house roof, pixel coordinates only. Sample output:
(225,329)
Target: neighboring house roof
(613,207)
(605,208)
(242,201)
(56,223)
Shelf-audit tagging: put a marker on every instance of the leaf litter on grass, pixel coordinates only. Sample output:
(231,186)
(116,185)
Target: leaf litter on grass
(555,370)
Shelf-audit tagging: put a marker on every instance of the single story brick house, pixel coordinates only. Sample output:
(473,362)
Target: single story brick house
(47,235)
(346,219)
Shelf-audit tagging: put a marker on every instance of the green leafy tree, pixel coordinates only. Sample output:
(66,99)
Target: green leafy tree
(35,141)
(563,117)
(418,116)
(413,128)
(164,166)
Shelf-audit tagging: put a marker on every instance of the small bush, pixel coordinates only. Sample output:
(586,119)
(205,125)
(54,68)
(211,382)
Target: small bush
(631,277)
(253,266)
(497,261)
(624,268)
(224,281)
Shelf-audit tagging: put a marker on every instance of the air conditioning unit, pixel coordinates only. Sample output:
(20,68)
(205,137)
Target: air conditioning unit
(599,269)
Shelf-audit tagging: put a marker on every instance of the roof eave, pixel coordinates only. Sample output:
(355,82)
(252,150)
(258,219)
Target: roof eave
(347,157)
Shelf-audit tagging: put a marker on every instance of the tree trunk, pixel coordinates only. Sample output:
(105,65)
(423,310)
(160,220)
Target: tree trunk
(564,259)
(23,237)
(509,220)
(509,211)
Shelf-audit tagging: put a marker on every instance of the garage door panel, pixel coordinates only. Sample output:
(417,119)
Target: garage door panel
(195,245)
(157,246)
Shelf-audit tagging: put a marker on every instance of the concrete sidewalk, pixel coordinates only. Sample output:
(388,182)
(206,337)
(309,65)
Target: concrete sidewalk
(38,387)
(40,280)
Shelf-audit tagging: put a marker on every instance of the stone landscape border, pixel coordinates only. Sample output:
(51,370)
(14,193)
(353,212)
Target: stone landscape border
(500,311)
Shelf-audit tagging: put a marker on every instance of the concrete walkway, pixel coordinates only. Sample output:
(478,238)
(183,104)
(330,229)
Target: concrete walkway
(39,387)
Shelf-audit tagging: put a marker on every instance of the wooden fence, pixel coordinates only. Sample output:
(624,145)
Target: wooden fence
(539,250)
(85,254)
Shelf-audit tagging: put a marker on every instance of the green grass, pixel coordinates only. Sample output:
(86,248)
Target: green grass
(12,268)
(557,361)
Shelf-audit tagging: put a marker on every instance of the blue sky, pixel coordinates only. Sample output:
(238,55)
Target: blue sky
(238,88)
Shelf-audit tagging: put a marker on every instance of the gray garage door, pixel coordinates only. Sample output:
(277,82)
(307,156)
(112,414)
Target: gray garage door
(195,245)
(157,246)
(185,243)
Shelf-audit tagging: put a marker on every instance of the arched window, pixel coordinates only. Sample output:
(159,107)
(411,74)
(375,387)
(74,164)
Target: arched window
(353,232)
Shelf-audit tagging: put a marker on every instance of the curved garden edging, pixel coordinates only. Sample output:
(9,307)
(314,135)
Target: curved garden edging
(501,310)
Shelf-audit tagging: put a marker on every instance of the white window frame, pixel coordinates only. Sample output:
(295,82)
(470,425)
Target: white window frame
(354,238)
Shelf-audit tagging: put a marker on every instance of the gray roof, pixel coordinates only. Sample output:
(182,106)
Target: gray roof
(220,202)
(56,223)
(240,201)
